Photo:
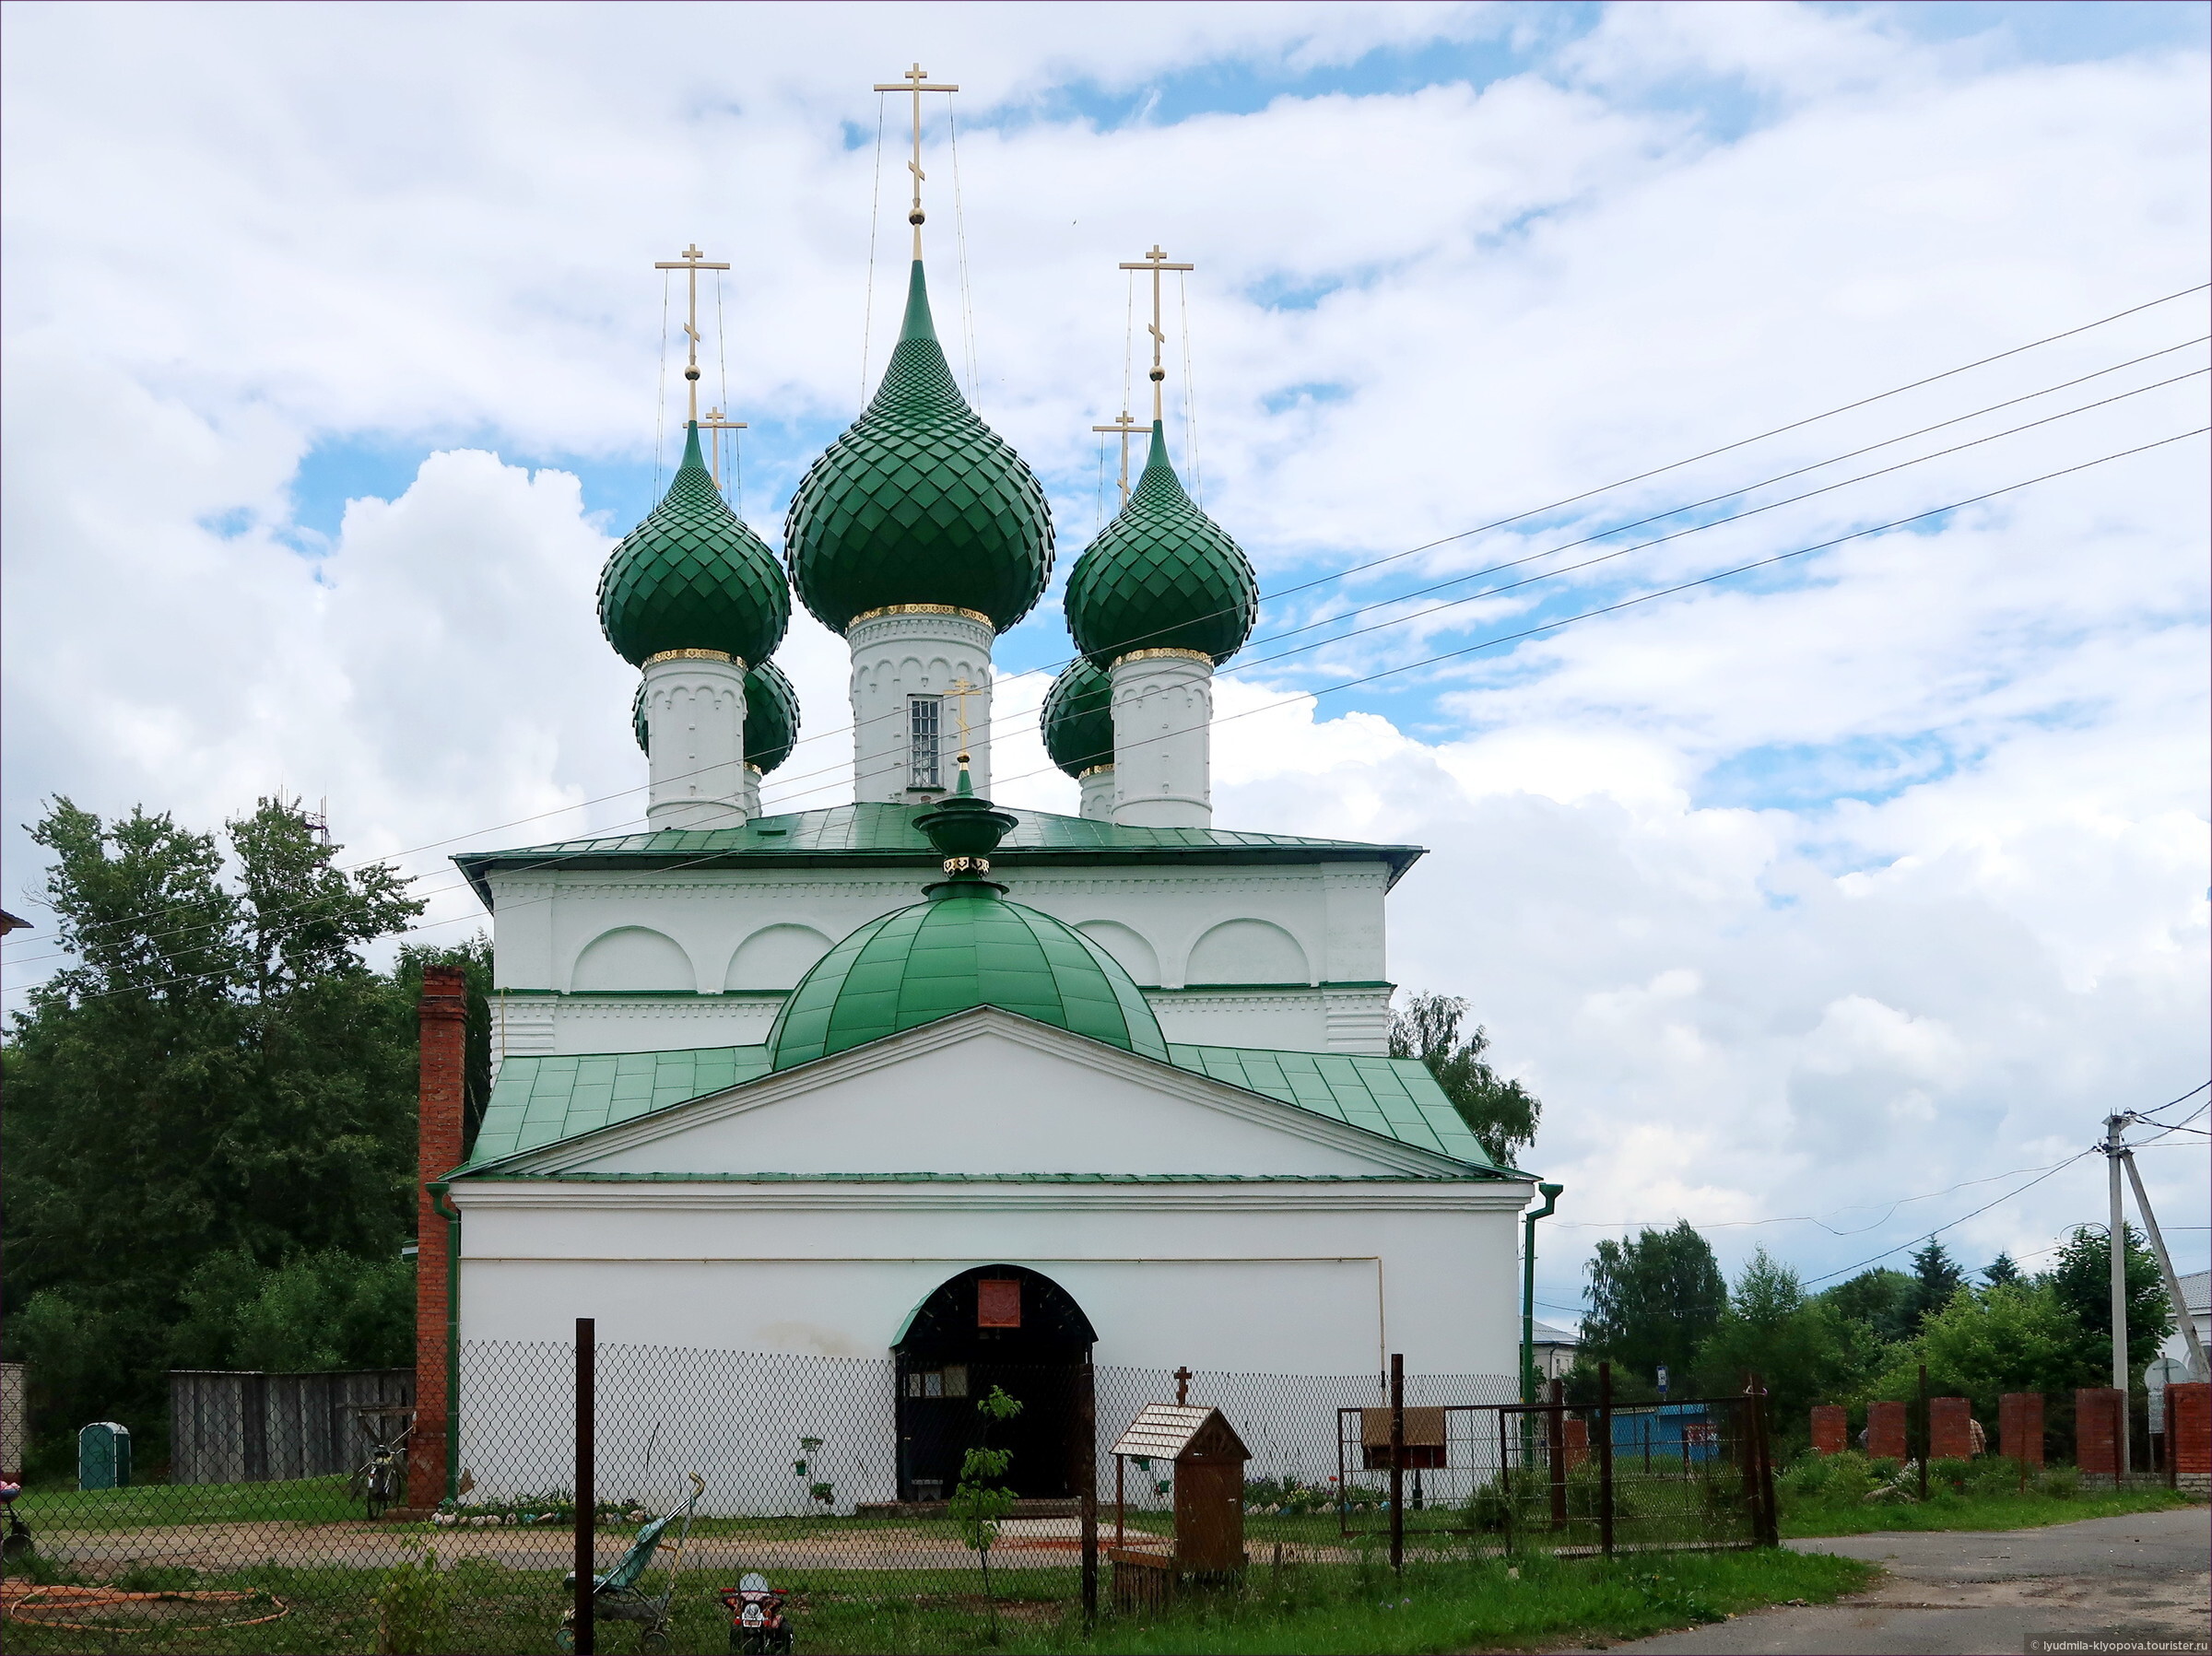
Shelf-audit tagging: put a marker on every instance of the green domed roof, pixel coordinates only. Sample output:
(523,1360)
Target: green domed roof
(1078,719)
(966,946)
(918,501)
(1161,576)
(693,577)
(771,717)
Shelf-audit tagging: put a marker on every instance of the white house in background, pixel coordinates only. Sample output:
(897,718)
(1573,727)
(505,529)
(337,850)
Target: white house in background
(2197,1300)
(1555,1349)
(914,1078)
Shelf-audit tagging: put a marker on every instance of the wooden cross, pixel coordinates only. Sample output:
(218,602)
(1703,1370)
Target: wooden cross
(1183,1386)
(1156,262)
(691,261)
(917,80)
(1124,425)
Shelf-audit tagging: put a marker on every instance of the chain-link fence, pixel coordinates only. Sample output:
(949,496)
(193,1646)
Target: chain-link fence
(840,1481)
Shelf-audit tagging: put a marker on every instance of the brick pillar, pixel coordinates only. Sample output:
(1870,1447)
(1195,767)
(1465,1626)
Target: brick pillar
(1885,1431)
(439,1093)
(2099,1416)
(1831,1428)
(2189,1427)
(1578,1441)
(2020,1426)
(1950,1429)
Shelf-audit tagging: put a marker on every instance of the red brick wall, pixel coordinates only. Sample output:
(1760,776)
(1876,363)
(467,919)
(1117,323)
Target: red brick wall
(2189,1426)
(1950,1429)
(1885,1431)
(1831,1429)
(2098,1413)
(2020,1426)
(444,1043)
(1578,1441)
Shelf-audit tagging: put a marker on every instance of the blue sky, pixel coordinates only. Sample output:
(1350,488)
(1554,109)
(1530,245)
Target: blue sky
(1860,865)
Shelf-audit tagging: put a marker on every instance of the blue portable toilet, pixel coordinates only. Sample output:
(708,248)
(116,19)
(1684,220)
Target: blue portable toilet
(103,1456)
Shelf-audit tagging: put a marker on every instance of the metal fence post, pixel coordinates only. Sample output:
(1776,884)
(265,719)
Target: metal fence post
(1770,1519)
(1087,1437)
(1924,1431)
(587,1497)
(1555,1448)
(1605,1458)
(1397,1461)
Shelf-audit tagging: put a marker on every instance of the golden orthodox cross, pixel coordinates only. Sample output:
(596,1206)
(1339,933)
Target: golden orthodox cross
(917,80)
(1124,425)
(962,690)
(692,260)
(1157,261)
(716,424)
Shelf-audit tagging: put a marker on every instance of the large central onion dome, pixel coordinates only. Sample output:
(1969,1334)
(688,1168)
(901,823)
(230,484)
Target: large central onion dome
(918,501)
(693,577)
(966,946)
(1078,719)
(1161,576)
(771,718)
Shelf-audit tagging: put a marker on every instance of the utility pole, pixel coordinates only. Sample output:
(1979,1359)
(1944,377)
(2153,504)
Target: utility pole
(2114,1147)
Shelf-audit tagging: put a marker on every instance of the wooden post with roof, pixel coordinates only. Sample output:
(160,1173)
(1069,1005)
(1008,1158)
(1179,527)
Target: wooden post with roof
(1207,1546)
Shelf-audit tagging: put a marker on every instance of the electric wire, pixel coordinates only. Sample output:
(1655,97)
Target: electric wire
(1128,350)
(1552,626)
(867,316)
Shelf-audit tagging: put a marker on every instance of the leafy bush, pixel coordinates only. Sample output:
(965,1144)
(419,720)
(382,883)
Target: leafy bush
(415,1611)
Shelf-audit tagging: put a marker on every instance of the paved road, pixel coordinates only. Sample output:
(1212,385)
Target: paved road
(2139,1577)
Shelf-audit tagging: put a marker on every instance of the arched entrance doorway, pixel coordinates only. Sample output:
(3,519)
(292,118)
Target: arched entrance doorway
(995,1325)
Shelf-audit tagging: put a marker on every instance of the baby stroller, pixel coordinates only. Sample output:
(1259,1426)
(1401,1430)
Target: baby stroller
(616,1597)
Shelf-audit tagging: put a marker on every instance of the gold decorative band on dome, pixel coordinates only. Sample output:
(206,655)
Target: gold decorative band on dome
(1163,655)
(692,655)
(976,616)
(1084,776)
(967,865)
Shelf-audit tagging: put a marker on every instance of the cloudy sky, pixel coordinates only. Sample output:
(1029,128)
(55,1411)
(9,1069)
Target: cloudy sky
(335,361)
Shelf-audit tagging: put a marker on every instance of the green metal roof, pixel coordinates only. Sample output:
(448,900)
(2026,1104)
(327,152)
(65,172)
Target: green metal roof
(880,834)
(693,577)
(771,717)
(918,501)
(539,1100)
(1161,576)
(1078,719)
(967,948)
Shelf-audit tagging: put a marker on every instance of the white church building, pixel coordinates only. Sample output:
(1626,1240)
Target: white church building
(915,1078)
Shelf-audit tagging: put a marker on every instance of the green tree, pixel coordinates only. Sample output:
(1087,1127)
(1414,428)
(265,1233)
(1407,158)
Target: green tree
(1653,1300)
(2019,1336)
(2001,1270)
(1881,1299)
(1503,1115)
(1936,1278)
(1803,1349)
(979,1504)
(217,1072)
(2082,1280)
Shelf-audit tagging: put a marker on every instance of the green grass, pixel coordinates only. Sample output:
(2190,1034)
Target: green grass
(1350,1608)
(301,1500)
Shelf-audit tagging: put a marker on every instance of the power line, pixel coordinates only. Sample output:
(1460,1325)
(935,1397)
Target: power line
(1480,529)
(1962,1219)
(1552,626)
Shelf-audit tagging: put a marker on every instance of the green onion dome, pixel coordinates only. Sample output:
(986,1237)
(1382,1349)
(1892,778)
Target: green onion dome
(918,501)
(1078,719)
(966,946)
(1161,576)
(771,717)
(693,577)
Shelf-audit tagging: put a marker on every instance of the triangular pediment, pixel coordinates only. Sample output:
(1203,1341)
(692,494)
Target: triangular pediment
(983,1093)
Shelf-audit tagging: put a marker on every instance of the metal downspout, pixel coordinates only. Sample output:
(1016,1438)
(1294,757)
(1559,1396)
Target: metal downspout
(446,1211)
(1551,1192)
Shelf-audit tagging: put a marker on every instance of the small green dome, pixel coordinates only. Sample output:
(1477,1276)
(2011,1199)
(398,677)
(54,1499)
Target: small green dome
(1078,719)
(1161,576)
(918,501)
(693,577)
(771,717)
(966,946)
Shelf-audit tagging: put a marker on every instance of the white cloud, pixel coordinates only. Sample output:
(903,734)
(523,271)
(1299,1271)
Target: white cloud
(1878,877)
